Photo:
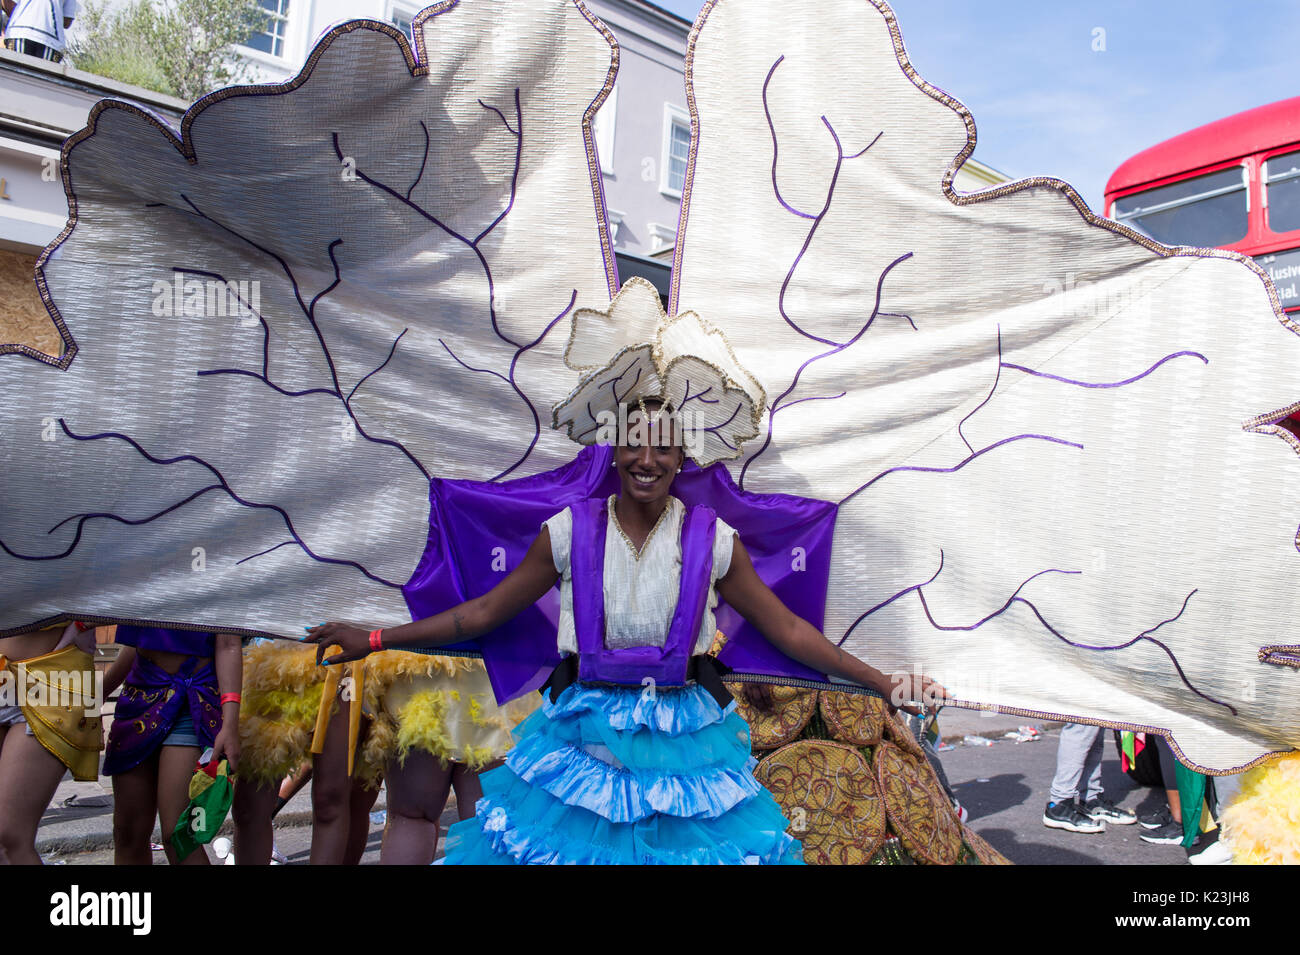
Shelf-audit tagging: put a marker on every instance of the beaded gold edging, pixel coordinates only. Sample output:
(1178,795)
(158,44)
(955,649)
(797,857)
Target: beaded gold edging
(1265,423)
(688,179)
(1282,655)
(593,159)
(633,284)
(416,63)
(756,395)
(613,519)
(588,380)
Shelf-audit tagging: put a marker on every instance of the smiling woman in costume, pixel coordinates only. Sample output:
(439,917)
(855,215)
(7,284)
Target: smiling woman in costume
(637,755)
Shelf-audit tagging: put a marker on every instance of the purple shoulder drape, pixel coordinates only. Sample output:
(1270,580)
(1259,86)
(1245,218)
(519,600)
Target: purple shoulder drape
(480,531)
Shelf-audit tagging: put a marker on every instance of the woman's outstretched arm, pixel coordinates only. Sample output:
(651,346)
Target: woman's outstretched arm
(745,591)
(522,588)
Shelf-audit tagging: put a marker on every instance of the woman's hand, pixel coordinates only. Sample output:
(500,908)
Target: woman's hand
(916,686)
(353,641)
(227,744)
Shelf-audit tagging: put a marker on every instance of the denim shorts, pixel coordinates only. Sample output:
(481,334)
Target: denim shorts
(182,731)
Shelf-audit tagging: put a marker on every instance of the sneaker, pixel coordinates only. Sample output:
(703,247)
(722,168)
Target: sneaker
(1066,815)
(1101,809)
(1170,834)
(1216,853)
(1156,819)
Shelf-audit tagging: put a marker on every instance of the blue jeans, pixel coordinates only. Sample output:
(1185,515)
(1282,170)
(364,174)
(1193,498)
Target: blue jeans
(182,731)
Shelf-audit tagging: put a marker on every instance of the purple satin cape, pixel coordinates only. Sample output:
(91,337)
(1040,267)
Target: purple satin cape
(479,531)
(149,705)
(666,665)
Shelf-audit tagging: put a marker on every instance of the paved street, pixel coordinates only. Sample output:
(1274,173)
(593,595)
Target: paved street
(1003,786)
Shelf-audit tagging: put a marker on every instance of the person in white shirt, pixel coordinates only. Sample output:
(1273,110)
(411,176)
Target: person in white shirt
(38,27)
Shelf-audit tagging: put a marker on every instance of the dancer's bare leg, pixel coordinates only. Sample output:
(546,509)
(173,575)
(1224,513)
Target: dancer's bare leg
(176,767)
(359,805)
(417,793)
(135,804)
(254,803)
(330,792)
(468,788)
(29,774)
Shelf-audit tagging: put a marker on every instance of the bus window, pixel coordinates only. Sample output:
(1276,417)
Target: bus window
(1206,211)
(1282,191)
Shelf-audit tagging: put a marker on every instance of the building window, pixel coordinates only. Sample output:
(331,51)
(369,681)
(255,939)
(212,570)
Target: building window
(602,129)
(677,145)
(402,17)
(275,25)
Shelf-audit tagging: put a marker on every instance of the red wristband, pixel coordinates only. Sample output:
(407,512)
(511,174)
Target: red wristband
(375,640)
(229,698)
(83,627)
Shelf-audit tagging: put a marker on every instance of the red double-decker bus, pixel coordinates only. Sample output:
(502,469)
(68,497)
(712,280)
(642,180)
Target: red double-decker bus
(1233,183)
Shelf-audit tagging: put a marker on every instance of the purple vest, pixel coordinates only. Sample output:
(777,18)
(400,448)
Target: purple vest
(666,665)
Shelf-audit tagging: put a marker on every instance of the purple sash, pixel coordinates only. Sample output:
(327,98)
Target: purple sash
(151,701)
(666,665)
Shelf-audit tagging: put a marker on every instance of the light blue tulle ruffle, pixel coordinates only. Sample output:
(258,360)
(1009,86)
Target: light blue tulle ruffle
(621,776)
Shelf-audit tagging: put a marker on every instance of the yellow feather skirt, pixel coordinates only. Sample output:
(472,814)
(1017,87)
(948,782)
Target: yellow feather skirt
(442,705)
(1262,825)
(281,696)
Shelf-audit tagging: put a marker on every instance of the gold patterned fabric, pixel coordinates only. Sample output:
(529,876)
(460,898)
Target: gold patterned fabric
(896,732)
(856,718)
(854,783)
(783,722)
(68,725)
(831,798)
(984,852)
(922,818)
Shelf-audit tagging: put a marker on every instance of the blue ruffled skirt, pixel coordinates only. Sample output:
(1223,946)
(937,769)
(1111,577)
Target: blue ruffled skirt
(624,776)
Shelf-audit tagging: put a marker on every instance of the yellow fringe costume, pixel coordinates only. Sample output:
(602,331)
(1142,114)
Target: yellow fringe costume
(1262,825)
(443,705)
(68,725)
(281,696)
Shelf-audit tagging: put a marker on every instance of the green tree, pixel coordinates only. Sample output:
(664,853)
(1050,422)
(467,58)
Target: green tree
(181,47)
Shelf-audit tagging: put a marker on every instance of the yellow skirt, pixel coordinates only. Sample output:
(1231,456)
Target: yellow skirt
(442,705)
(68,722)
(281,697)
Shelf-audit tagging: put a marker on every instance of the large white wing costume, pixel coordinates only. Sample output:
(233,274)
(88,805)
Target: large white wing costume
(1049,446)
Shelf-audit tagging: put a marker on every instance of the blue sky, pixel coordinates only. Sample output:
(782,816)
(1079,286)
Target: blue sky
(1046,104)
